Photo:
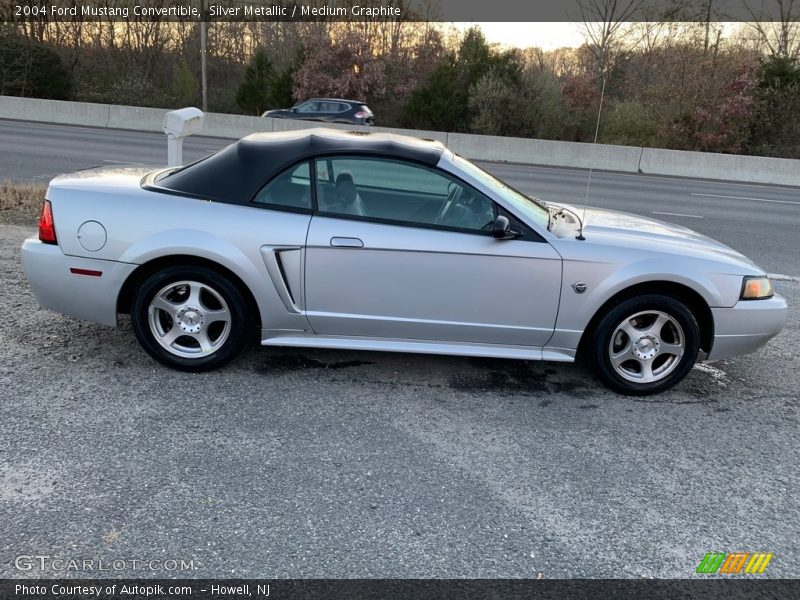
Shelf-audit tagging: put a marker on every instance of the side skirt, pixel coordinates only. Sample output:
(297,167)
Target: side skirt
(310,340)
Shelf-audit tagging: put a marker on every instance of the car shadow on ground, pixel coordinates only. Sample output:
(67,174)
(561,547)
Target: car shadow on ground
(488,377)
(76,344)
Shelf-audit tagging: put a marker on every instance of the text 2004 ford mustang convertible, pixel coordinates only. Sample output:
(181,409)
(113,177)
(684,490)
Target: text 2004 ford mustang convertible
(333,239)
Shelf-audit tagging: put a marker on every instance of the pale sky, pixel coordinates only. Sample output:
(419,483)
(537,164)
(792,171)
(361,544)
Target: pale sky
(547,36)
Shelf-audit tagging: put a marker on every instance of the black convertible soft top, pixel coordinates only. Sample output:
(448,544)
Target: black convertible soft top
(236,173)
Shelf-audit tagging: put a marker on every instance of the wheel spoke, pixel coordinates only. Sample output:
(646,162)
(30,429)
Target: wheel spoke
(647,370)
(675,349)
(617,358)
(205,343)
(165,305)
(194,295)
(658,325)
(169,338)
(630,331)
(218,315)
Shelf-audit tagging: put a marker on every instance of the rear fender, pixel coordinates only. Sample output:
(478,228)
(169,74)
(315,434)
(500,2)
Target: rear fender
(201,244)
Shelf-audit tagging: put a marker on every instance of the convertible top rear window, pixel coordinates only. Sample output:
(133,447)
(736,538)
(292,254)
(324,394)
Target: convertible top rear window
(236,173)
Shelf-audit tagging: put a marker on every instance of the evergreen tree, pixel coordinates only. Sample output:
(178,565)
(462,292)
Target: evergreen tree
(443,102)
(254,94)
(32,70)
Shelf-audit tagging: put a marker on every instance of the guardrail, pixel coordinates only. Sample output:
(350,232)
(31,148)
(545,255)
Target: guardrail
(651,161)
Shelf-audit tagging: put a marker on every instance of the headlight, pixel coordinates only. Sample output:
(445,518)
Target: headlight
(756,288)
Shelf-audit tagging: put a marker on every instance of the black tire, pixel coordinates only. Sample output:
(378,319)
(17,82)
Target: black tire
(217,294)
(674,367)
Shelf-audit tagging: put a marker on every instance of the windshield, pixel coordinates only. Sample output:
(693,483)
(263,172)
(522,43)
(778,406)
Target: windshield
(519,202)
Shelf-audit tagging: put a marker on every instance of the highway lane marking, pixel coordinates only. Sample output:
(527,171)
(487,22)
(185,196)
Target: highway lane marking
(779,277)
(746,198)
(655,212)
(122,162)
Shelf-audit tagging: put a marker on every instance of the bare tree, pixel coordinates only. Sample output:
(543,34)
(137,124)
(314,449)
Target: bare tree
(779,32)
(603,21)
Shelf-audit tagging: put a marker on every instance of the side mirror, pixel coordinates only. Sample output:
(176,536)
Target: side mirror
(501,229)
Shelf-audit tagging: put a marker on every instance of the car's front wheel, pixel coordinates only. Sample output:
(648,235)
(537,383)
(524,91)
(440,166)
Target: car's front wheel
(189,318)
(645,344)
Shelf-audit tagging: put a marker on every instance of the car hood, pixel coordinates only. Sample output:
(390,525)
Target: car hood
(610,227)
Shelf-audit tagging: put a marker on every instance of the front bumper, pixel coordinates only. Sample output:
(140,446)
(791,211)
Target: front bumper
(91,298)
(747,326)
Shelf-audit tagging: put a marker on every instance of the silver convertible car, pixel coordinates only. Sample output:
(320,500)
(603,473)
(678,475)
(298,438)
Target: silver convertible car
(333,239)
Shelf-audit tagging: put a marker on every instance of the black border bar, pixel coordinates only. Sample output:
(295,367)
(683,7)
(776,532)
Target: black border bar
(396,589)
(389,10)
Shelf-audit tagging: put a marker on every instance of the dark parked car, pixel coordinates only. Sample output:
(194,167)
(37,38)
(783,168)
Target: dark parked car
(327,110)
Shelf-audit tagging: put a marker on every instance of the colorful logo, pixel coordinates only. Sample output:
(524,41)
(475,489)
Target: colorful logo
(733,563)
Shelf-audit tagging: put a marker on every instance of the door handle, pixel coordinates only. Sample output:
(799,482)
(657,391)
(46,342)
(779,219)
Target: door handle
(346,242)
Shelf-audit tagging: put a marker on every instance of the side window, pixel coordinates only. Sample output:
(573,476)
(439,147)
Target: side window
(404,192)
(308,107)
(291,189)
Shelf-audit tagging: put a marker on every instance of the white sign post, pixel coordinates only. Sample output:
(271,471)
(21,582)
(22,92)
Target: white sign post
(179,124)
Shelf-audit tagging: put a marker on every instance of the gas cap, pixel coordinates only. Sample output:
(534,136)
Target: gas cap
(92,236)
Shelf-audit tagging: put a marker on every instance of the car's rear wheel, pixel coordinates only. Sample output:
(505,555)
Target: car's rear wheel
(189,318)
(645,344)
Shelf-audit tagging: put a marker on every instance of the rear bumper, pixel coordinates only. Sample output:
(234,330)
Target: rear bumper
(747,326)
(87,297)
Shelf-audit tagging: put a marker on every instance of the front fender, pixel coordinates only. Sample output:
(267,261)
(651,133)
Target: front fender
(659,269)
(605,280)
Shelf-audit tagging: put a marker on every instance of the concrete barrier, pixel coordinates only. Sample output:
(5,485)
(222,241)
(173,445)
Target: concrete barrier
(730,167)
(652,161)
(54,111)
(290,125)
(136,117)
(234,126)
(439,136)
(545,152)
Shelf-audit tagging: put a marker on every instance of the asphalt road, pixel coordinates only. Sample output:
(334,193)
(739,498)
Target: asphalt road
(760,221)
(303,463)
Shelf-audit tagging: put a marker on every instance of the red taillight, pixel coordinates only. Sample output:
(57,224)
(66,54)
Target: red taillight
(362,115)
(47,229)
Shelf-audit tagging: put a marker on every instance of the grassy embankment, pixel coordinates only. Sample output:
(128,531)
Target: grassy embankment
(20,203)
